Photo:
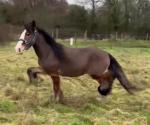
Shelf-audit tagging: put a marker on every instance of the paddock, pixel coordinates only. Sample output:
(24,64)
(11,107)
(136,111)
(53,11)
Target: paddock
(29,104)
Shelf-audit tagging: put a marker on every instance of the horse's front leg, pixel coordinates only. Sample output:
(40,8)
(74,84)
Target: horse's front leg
(33,73)
(58,94)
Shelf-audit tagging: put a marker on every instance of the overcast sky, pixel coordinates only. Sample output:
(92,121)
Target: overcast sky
(78,2)
(71,1)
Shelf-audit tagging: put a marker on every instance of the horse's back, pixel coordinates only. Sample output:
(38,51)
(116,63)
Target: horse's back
(85,51)
(90,60)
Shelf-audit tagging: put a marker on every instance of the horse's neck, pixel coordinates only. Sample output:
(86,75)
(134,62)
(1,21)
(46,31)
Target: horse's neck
(42,50)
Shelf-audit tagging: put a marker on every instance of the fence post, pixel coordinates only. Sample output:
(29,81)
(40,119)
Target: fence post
(116,36)
(57,33)
(147,36)
(85,35)
(71,41)
(52,34)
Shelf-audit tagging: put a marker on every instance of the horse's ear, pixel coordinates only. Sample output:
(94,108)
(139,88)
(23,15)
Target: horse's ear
(33,23)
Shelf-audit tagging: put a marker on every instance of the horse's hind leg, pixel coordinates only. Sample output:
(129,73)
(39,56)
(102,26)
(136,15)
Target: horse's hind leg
(105,81)
(58,94)
(33,73)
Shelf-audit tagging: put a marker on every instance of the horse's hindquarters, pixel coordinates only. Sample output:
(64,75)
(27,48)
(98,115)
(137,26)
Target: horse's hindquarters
(98,64)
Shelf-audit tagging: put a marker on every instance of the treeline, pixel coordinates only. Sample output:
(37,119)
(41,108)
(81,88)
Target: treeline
(127,17)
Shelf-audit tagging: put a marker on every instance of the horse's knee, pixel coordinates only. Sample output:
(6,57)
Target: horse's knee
(31,74)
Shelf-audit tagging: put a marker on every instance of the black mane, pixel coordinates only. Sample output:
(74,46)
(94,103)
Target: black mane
(56,47)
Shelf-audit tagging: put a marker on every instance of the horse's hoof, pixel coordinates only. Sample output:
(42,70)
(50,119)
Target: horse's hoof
(103,91)
(56,99)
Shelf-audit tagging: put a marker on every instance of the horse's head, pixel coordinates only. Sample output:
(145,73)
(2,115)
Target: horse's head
(27,37)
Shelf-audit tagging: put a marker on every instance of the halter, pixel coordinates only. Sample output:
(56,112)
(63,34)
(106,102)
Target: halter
(32,41)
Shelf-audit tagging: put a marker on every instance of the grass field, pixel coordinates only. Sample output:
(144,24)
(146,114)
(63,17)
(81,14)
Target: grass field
(22,103)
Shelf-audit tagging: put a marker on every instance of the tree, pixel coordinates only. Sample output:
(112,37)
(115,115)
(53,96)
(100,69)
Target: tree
(92,5)
(111,12)
(19,11)
(143,11)
(77,17)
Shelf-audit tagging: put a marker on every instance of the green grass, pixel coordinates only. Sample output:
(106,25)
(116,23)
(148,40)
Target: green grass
(22,103)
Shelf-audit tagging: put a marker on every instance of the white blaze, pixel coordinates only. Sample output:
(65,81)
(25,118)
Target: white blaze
(23,34)
(19,47)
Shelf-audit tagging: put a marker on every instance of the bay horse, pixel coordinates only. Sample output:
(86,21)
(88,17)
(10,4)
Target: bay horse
(57,60)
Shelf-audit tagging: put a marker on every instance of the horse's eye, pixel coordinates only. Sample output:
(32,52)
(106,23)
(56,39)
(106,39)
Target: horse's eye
(28,34)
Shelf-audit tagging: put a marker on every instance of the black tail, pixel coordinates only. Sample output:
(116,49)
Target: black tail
(118,73)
